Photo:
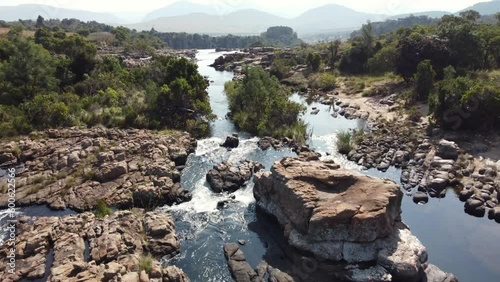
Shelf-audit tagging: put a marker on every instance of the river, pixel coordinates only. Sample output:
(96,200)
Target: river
(466,246)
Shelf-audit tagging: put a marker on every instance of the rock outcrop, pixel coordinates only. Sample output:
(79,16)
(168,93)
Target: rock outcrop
(341,216)
(229,177)
(241,271)
(232,141)
(74,168)
(86,248)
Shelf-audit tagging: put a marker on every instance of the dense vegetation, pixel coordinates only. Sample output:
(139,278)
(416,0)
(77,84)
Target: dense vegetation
(261,106)
(182,40)
(56,79)
(452,64)
(147,42)
(282,36)
(387,26)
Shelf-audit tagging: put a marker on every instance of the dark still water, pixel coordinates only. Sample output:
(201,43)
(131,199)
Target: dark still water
(466,246)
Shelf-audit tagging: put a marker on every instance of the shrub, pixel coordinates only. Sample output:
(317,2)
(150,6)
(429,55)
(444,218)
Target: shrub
(324,81)
(347,140)
(384,60)
(313,61)
(102,209)
(414,114)
(260,105)
(146,263)
(424,79)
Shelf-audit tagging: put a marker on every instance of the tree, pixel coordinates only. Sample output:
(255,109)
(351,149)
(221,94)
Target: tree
(384,60)
(467,48)
(28,71)
(333,49)
(417,48)
(40,22)
(260,105)
(367,35)
(313,61)
(497,16)
(470,15)
(424,79)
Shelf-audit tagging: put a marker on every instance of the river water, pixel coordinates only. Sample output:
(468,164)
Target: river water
(466,246)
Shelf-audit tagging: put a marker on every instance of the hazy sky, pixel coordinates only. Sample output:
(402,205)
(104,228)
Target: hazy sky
(283,7)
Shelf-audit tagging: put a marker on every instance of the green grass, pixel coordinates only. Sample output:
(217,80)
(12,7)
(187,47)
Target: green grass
(38,179)
(102,209)
(169,132)
(414,114)
(61,175)
(146,263)
(369,93)
(70,182)
(16,151)
(35,189)
(347,140)
(89,174)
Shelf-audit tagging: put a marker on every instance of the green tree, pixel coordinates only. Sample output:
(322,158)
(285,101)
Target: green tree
(28,71)
(367,35)
(384,60)
(40,22)
(467,48)
(416,48)
(313,61)
(424,80)
(260,105)
(333,50)
(45,110)
(470,15)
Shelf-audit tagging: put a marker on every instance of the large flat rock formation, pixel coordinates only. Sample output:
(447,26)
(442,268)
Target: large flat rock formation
(338,215)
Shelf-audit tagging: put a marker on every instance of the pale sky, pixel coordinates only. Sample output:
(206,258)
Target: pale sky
(282,7)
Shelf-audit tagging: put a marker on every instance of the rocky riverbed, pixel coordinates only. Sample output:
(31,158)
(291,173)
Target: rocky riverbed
(85,248)
(74,168)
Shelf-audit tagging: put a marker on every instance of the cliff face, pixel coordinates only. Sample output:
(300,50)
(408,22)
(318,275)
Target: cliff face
(342,216)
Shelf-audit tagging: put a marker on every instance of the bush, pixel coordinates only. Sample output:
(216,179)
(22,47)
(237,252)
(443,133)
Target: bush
(261,106)
(466,103)
(414,114)
(102,209)
(281,67)
(384,60)
(313,61)
(424,80)
(323,81)
(347,140)
(146,263)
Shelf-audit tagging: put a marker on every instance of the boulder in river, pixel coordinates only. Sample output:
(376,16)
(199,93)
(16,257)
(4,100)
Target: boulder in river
(229,177)
(232,141)
(341,216)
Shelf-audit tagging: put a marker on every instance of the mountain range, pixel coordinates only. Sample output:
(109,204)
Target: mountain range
(212,19)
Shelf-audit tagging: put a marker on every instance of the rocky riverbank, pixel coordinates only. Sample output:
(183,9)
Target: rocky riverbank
(74,168)
(338,216)
(85,248)
(78,169)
